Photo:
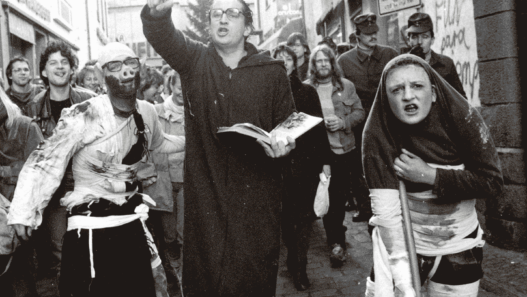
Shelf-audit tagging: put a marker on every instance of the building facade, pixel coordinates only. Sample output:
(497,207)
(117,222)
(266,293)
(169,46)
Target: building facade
(278,19)
(26,27)
(481,36)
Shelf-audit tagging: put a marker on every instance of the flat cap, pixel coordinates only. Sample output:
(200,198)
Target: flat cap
(420,22)
(366,23)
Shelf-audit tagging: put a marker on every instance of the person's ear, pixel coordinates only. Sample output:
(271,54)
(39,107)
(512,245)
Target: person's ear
(434,93)
(247,31)
(432,42)
(44,73)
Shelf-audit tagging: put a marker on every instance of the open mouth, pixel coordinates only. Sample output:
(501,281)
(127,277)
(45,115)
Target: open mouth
(223,31)
(411,108)
(60,74)
(127,81)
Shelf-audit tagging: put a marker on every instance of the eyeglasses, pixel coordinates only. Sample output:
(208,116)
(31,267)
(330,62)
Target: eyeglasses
(232,13)
(115,66)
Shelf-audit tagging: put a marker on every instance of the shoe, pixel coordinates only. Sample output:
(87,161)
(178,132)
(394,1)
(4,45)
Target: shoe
(350,206)
(361,217)
(338,256)
(301,281)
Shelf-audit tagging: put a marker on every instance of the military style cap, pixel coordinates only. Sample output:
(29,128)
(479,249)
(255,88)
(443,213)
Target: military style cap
(420,22)
(366,23)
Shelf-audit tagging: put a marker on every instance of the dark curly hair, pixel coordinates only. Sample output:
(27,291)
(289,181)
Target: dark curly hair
(9,69)
(64,49)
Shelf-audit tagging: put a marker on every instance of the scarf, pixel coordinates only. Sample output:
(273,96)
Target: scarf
(174,113)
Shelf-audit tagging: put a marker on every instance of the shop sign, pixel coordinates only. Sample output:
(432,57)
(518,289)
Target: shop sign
(37,8)
(390,6)
(287,10)
(143,49)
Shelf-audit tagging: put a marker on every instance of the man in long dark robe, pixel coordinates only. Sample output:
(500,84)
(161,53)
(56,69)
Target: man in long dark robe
(232,191)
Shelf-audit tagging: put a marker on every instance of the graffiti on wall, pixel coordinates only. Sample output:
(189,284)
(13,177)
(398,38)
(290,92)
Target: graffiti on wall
(455,36)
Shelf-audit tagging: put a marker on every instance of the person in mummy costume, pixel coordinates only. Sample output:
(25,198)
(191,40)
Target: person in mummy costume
(107,249)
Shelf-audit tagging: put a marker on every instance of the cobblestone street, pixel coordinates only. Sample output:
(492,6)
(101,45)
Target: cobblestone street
(350,279)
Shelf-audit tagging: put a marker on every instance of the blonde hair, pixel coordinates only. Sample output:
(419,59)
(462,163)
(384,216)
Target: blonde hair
(11,108)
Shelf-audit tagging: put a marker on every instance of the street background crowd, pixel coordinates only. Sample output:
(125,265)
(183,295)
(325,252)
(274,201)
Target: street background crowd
(232,201)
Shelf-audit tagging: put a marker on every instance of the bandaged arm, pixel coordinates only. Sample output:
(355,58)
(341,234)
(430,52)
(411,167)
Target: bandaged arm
(391,259)
(44,169)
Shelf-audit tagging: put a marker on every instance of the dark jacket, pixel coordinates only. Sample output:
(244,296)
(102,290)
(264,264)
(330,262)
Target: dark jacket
(22,102)
(40,109)
(311,153)
(365,71)
(16,143)
(232,193)
(446,68)
(348,107)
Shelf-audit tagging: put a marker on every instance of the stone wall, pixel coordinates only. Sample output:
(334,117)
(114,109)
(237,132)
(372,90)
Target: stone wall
(498,43)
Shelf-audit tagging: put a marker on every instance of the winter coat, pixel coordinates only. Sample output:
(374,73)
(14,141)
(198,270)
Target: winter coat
(233,191)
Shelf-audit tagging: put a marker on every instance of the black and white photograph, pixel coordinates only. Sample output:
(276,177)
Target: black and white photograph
(262,148)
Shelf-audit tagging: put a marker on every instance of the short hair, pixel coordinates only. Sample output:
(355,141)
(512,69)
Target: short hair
(9,69)
(149,77)
(299,36)
(165,69)
(247,13)
(82,74)
(12,110)
(64,49)
(92,62)
(289,51)
(329,42)
(337,71)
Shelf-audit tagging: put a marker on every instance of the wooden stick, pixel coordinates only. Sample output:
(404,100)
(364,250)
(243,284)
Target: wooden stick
(409,236)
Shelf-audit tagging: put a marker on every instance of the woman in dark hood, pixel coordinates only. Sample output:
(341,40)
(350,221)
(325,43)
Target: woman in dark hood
(301,181)
(423,132)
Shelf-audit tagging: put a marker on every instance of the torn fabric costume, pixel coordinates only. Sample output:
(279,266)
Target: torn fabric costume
(454,139)
(105,249)
(233,191)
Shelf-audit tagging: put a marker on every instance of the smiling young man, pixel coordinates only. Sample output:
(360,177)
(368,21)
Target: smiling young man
(21,91)
(233,192)
(107,250)
(363,66)
(57,63)
(421,36)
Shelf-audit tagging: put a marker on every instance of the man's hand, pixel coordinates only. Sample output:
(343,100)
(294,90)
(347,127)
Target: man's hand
(333,123)
(414,169)
(278,149)
(23,232)
(327,170)
(159,7)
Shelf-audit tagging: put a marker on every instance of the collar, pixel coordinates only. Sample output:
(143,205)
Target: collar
(376,54)
(435,59)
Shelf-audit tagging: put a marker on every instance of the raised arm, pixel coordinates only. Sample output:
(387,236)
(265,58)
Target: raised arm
(179,51)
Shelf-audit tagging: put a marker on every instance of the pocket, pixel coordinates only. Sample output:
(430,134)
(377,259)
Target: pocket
(348,104)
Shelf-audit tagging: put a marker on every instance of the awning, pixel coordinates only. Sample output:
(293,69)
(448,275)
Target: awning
(335,9)
(32,18)
(21,28)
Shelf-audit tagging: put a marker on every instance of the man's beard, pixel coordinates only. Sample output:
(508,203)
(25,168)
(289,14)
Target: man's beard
(321,77)
(418,51)
(115,88)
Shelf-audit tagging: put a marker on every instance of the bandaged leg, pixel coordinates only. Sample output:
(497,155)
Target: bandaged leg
(441,290)
(370,288)
(390,254)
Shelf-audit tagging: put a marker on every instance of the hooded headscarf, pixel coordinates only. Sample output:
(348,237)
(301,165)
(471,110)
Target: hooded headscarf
(453,133)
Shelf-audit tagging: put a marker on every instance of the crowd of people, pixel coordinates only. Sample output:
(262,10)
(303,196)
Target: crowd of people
(114,182)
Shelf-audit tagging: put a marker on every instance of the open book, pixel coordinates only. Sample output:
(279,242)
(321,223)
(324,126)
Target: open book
(294,126)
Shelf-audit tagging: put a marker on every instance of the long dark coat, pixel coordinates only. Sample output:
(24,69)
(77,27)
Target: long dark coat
(232,191)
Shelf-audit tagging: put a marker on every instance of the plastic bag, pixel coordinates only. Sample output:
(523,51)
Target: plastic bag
(321,205)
